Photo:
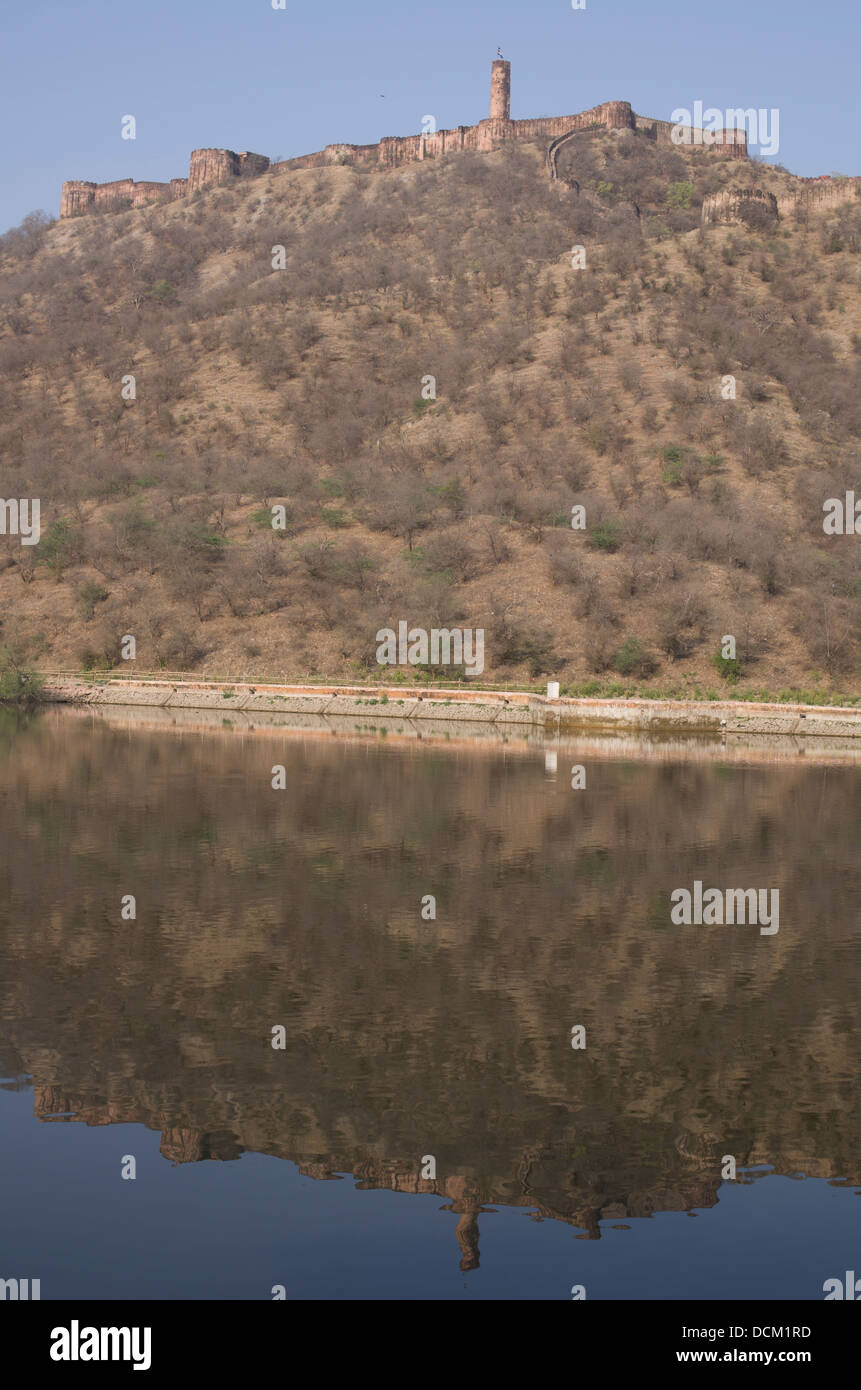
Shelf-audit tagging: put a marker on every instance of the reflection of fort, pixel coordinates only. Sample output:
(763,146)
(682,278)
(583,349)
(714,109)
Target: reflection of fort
(466,1197)
(405,1037)
(463,1197)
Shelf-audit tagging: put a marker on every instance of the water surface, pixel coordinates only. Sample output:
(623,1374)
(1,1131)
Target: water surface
(409,1039)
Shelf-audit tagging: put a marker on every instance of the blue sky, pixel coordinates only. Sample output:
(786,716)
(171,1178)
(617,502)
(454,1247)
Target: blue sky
(239,74)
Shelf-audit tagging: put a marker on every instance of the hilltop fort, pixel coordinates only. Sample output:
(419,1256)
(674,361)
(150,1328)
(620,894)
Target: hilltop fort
(208,167)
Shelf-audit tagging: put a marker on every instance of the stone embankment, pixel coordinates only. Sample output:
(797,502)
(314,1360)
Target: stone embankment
(474,706)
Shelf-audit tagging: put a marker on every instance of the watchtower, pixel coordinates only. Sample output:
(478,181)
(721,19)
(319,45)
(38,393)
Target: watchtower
(500,90)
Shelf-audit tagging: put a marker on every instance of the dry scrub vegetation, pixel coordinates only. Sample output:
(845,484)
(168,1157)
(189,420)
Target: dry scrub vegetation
(555,387)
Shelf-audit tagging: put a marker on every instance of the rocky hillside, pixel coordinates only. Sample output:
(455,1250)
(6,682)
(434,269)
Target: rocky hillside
(603,388)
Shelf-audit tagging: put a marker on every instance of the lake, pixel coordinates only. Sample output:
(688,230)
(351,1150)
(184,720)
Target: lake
(500,1070)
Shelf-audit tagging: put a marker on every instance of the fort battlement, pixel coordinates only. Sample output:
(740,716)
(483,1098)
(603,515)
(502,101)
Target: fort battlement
(755,206)
(745,205)
(208,168)
(818,195)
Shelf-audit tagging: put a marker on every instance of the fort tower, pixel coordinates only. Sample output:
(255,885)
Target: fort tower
(500,90)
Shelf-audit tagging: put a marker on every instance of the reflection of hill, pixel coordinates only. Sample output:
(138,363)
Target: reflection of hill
(405,1037)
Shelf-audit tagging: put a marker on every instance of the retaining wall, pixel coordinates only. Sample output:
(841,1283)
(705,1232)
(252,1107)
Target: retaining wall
(515,709)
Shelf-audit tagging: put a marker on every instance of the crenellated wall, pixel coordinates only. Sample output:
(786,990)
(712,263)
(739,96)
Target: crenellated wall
(206,169)
(739,206)
(730,141)
(818,195)
(77,198)
(210,167)
(145,193)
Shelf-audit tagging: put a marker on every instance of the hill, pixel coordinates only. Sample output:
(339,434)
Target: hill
(556,388)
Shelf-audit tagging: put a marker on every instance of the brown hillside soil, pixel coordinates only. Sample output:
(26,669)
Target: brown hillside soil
(557,387)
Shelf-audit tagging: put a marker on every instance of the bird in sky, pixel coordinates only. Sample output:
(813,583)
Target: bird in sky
(499,52)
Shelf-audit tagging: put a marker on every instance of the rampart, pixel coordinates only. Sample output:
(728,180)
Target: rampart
(818,195)
(746,205)
(210,167)
(754,206)
(206,168)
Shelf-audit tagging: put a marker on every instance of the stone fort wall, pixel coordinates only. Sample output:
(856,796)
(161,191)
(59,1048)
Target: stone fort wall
(210,167)
(818,195)
(737,206)
(206,168)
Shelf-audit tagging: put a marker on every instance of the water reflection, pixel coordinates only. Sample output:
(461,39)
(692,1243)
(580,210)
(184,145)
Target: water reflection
(408,1038)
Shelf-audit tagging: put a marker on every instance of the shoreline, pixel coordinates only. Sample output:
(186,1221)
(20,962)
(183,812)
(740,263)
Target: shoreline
(514,709)
(456,736)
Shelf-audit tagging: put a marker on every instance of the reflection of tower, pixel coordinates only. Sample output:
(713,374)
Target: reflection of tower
(466,1231)
(466,1203)
(500,90)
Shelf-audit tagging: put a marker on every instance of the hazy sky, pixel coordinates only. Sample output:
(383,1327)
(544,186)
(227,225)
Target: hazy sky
(238,73)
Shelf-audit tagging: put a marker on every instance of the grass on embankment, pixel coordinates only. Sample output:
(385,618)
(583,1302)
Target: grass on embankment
(419,679)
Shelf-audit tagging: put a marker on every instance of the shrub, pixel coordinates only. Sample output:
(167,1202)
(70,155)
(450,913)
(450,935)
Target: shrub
(728,668)
(605,535)
(634,659)
(679,195)
(512,643)
(19,685)
(89,594)
(60,546)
